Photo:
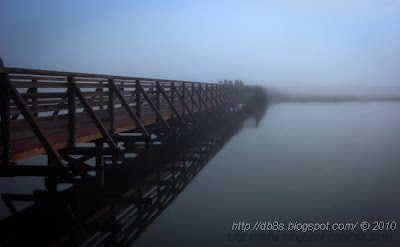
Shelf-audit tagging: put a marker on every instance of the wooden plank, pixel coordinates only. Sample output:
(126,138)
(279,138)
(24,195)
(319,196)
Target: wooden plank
(153,107)
(158,95)
(38,84)
(172,96)
(90,150)
(93,115)
(111,106)
(183,96)
(38,78)
(194,103)
(71,113)
(171,105)
(5,120)
(43,95)
(185,106)
(211,94)
(129,110)
(137,92)
(25,71)
(206,95)
(201,99)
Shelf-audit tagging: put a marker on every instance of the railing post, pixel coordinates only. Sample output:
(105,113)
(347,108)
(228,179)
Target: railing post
(101,98)
(172,96)
(138,99)
(217,99)
(5,120)
(158,98)
(183,97)
(71,112)
(111,105)
(214,87)
(35,98)
(193,102)
(200,101)
(158,95)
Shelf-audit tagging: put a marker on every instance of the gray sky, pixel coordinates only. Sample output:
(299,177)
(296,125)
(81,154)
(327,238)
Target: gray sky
(332,45)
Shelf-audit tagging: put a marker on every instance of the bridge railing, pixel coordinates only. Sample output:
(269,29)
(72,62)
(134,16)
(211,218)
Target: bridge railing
(45,111)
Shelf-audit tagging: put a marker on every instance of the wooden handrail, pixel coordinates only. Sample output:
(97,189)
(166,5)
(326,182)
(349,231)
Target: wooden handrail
(11,70)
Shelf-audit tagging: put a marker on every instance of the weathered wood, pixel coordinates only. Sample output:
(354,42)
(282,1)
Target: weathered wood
(137,91)
(201,99)
(129,110)
(158,95)
(40,134)
(5,120)
(172,96)
(10,70)
(93,115)
(71,113)
(185,105)
(111,104)
(171,105)
(183,97)
(99,149)
(153,107)
(59,114)
(212,96)
(206,95)
(194,103)
(27,96)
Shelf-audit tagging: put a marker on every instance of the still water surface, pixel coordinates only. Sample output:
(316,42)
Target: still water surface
(305,162)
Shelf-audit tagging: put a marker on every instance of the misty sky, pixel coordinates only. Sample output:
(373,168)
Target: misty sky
(291,43)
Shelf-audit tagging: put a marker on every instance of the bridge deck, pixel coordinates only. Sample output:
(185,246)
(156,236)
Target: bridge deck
(25,144)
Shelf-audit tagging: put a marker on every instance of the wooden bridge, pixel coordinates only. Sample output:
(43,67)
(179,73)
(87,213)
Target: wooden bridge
(52,112)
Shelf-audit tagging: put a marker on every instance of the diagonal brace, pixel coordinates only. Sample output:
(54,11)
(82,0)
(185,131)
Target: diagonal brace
(129,109)
(33,123)
(93,115)
(184,103)
(170,104)
(153,107)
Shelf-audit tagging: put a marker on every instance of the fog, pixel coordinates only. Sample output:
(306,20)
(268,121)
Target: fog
(310,47)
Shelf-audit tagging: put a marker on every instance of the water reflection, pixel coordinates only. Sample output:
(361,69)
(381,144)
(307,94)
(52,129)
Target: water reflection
(115,205)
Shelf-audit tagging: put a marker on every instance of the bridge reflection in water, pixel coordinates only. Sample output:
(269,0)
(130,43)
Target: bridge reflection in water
(115,205)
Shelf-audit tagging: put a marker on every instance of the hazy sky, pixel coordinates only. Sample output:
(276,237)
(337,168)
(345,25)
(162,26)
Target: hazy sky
(288,43)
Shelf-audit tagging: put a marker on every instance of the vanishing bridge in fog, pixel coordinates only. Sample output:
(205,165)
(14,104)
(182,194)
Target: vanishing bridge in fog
(51,112)
(143,139)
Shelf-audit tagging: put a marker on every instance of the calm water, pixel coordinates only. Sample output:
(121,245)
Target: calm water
(311,162)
